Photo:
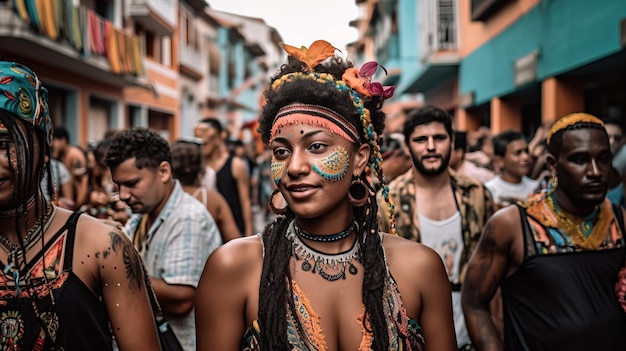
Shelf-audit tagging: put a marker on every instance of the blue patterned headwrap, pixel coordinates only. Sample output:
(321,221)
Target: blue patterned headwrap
(22,94)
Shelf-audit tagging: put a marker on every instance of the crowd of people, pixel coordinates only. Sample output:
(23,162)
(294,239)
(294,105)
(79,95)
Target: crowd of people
(414,236)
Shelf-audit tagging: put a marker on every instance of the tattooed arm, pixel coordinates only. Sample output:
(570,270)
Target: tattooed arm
(497,256)
(107,262)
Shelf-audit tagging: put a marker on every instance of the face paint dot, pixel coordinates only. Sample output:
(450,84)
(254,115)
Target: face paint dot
(302,132)
(118,284)
(106,284)
(117,305)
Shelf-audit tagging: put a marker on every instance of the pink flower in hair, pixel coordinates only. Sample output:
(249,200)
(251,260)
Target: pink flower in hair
(361,81)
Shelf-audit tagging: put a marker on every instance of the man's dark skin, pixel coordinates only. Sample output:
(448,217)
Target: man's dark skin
(583,167)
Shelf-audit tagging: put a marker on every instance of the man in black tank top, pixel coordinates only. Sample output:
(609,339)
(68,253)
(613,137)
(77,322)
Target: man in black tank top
(556,257)
(232,178)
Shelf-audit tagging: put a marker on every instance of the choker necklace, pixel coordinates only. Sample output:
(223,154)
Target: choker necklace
(20,209)
(325,238)
(321,262)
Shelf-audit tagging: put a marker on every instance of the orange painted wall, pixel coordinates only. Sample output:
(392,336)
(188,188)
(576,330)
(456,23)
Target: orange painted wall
(560,97)
(505,114)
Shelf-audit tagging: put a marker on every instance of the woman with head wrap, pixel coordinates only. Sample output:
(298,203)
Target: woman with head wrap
(67,282)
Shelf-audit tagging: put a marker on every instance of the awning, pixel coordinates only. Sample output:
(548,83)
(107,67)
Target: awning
(430,76)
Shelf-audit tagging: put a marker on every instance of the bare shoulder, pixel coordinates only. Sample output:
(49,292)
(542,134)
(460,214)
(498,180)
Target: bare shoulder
(504,225)
(239,165)
(404,254)
(236,257)
(417,270)
(96,230)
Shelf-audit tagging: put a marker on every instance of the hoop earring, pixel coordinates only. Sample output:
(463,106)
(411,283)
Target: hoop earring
(275,210)
(358,192)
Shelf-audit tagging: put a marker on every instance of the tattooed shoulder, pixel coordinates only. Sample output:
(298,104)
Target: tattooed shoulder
(133,266)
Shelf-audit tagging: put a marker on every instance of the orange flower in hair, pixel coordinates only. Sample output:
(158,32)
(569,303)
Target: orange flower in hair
(319,51)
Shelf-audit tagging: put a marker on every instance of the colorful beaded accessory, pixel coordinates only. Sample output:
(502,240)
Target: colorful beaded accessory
(358,83)
(329,119)
(570,120)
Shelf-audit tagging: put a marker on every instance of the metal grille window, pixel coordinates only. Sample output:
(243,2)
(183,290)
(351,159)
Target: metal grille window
(446,26)
(437,26)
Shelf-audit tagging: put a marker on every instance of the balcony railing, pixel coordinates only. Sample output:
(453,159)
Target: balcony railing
(191,58)
(77,29)
(156,15)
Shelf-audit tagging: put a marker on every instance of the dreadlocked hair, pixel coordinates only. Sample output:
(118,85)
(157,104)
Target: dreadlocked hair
(22,166)
(323,87)
(557,139)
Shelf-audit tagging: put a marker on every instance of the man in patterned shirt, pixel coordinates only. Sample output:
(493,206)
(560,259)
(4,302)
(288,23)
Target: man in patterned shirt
(173,232)
(434,205)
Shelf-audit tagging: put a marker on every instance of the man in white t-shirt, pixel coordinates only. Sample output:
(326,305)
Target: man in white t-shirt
(436,206)
(512,158)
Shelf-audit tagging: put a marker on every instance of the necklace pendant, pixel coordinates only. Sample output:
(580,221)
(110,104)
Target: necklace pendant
(333,277)
(51,321)
(306,266)
(352,269)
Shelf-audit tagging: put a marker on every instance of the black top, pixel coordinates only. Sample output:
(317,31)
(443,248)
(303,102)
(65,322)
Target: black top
(564,301)
(227,186)
(82,317)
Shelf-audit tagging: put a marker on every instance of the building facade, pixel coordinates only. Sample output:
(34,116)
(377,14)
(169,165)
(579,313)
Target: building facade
(501,63)
(112,64)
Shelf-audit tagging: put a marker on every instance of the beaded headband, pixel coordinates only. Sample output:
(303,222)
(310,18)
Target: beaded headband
(570,120)
(22,94)
(329,119)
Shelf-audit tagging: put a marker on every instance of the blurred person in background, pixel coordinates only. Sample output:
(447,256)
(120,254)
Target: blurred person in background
(480,148)
(62,183)
(232,179)
(74,158)
(513,160)
(187,168)
(101,188)
(463,166)
(395,160)
(614,130)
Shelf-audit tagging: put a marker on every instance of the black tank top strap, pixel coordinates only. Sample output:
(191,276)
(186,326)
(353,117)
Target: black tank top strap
(527,234)
(71,236)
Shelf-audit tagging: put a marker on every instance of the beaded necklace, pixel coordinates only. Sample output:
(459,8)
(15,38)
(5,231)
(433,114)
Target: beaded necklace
(321,263)
(325,238)
(30,239)
(588,232)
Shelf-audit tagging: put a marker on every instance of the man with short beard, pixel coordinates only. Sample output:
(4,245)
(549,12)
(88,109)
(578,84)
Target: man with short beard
(434,205)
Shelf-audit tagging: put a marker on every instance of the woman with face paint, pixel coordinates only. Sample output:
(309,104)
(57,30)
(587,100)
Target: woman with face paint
(322,276)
